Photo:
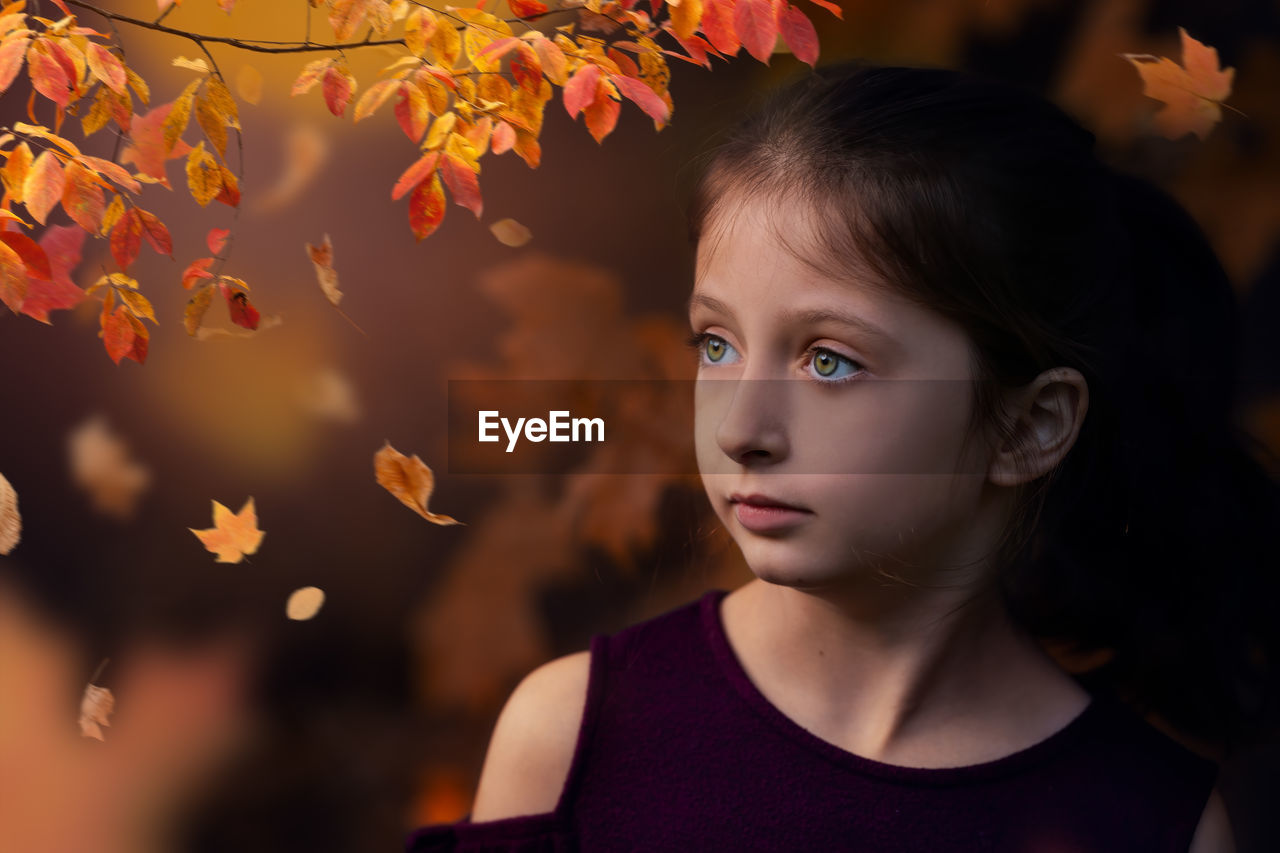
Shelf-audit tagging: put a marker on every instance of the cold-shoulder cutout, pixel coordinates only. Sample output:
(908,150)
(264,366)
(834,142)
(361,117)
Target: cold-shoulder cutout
(533,742)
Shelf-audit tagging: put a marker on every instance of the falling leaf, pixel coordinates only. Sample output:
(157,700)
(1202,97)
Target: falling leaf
(329,395)
(217,239)
(304,603)
(510,232)
(95,707)
(322,257)
(409,480)
(249,84)
(102,467)
(10,520)
(268,321)
(306,150)
(1192,92)
(233,535)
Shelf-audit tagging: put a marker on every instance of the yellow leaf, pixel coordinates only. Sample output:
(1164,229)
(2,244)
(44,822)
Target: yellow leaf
(197,305)
(10,520)
(304,603)
(222,102)
(138,304)
(204,175)
(176,122)
(510,232)
(322,257)
(196,64)
(409,480)
(233,535)
(213,124)
(440,130)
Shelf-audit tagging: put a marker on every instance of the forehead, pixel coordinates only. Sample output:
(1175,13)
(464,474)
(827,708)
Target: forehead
(761,251)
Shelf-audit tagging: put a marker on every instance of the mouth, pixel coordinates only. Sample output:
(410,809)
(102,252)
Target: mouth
(764,502)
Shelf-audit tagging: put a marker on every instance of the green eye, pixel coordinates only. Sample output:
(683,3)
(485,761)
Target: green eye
(715,348)
(825,362)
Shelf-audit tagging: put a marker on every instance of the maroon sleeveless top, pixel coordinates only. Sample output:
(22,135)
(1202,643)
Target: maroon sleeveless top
(679,751)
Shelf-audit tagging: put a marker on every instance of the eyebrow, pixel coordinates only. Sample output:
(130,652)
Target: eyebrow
(810,316)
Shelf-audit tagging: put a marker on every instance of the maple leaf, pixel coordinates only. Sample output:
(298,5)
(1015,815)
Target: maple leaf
(95,708)
(1192,92)
(103,468)
(62,245)
(10,520)
(233,535)
(147,150)
(409,480)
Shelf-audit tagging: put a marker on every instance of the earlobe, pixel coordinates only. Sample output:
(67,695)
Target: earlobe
(1047,415)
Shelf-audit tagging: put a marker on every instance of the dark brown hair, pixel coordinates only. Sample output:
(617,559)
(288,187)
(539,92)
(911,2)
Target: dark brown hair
(988,204)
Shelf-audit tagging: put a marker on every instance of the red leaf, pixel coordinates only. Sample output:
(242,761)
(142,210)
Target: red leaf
(580,90)
(217,239)
(426,207)
(412,111)
(106,66)
(644,97)
(415,174)
(462,183)
(198,269)
(242,311)
(527,8)
(717,26)
(797,31)
(156,232)
(756,25)
(120,336)
(33,256)
(62,245)
(337,89)
(48,77)
(147,150)
(126,238)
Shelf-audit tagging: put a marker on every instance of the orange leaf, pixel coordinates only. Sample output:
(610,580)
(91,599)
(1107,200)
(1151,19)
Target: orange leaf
(757,27)
(126,239)
(12,54)
(42,188)
(426,206)
(644,97)
(1192,94)
(106,66)
(412,111)
(527,8)
(233,535)
(120,336)
(10,520)
(346,15)
(13,278)
(156,232)
(147,149)
(82,197)
(409,480)
(601,115)
(462,183)
(197,270)
(34,258)
(197,305)
(415,174)
(374,97)
(217,239)
(504,138)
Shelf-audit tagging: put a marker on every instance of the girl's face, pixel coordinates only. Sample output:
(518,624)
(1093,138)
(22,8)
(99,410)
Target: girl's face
(846,402)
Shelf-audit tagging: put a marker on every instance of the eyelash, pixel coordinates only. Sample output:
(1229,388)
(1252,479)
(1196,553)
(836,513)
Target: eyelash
(696,341)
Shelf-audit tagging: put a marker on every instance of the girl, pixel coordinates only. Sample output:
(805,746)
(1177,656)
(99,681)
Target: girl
(979,409)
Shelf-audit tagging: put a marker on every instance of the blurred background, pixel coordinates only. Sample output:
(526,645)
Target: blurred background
(236,728)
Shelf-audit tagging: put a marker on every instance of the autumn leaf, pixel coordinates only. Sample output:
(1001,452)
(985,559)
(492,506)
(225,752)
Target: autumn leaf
(249,84)
(96,706)
(197,270)
(426,207)
(233,535)
(510,232)
(147,149)
(462,183)
(10,520)
(798,32)
(217,239)
(34,258)
(338,87)
(105,470)
(242,311)
(322,258)
(13,278)
(204,175)
(106,66)
(197,306)
(62,245)
(304,603)
(756,26)
(124,336)
(1192,92)
(126,239)
(409,480)
(43,185)
(82,197)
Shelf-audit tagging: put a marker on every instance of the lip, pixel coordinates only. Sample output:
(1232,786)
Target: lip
(761,500)
(761,513)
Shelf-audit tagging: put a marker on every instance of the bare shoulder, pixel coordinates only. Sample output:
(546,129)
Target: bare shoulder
(1213,834)
(533,741)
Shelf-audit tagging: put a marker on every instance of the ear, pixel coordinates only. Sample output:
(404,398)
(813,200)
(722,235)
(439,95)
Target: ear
(1046,416)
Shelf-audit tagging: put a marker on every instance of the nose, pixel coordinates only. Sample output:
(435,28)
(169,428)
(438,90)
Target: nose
(752,422)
